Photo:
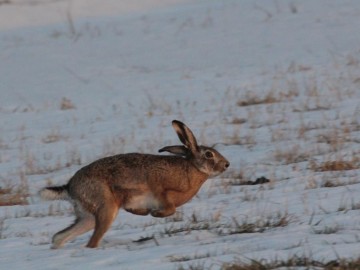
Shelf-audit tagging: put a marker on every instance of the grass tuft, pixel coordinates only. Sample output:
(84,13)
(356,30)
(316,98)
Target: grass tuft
(294,263)
(252,99)
(258,226)
(66,104)
(337,165)
(327,230)
(291,155)
(12,196)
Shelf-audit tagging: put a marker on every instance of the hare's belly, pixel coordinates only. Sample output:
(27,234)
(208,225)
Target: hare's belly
(142,201)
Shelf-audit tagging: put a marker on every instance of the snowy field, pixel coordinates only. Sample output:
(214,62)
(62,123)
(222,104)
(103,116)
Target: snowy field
(272,85)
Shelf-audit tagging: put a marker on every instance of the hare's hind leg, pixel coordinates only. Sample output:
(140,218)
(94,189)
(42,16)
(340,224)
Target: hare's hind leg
(104,217)
(84,222)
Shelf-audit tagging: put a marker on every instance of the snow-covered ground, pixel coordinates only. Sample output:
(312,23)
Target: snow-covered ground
(273,85)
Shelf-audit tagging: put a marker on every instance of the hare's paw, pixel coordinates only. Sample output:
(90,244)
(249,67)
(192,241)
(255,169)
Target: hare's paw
(140,212)
(163,212)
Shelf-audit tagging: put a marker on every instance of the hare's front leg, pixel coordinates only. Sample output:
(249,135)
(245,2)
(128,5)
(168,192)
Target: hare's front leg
(167,207)
(170,210)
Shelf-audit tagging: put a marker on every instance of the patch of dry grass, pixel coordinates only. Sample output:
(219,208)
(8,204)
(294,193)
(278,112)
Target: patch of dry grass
(230,227)
(53,136)
(66,104)
(294,263)
(33,165)
(185,258)
(257,226)
(291,155)
(273,96)
(238,121)
(14,195)
(326,230)
(335,165)
(251,99)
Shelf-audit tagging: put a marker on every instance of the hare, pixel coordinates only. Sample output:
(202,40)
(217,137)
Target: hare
(141,184)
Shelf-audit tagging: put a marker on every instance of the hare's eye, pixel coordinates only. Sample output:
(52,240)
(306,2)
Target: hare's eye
(209,154)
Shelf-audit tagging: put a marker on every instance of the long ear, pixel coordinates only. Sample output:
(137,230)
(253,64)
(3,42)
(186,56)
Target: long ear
(186,136)
(178,150)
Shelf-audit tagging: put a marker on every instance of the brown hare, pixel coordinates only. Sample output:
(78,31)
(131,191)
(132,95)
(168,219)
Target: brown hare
(141,184)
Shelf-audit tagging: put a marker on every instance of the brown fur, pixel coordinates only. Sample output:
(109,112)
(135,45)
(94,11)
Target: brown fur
(139,183)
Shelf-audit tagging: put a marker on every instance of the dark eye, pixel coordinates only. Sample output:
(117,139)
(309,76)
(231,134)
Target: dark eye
(209,154)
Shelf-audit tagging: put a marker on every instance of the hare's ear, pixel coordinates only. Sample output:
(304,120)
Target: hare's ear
(186,136)
(178,150)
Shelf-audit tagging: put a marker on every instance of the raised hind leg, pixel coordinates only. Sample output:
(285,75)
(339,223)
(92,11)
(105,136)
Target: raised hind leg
(103,220)
(84,222)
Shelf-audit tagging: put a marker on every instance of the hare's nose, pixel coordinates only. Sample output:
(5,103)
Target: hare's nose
(227,164)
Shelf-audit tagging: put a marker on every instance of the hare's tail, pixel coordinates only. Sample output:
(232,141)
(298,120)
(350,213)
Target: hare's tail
(55,193)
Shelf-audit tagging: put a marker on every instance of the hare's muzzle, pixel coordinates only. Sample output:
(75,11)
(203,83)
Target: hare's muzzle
(223,165)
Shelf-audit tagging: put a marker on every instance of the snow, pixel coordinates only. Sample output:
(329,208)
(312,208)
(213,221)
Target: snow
(127,68)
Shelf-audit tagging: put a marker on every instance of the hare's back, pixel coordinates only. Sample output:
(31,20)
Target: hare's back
(132,168)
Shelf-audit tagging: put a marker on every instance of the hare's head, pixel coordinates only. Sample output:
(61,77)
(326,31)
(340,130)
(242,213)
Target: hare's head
(205,159)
